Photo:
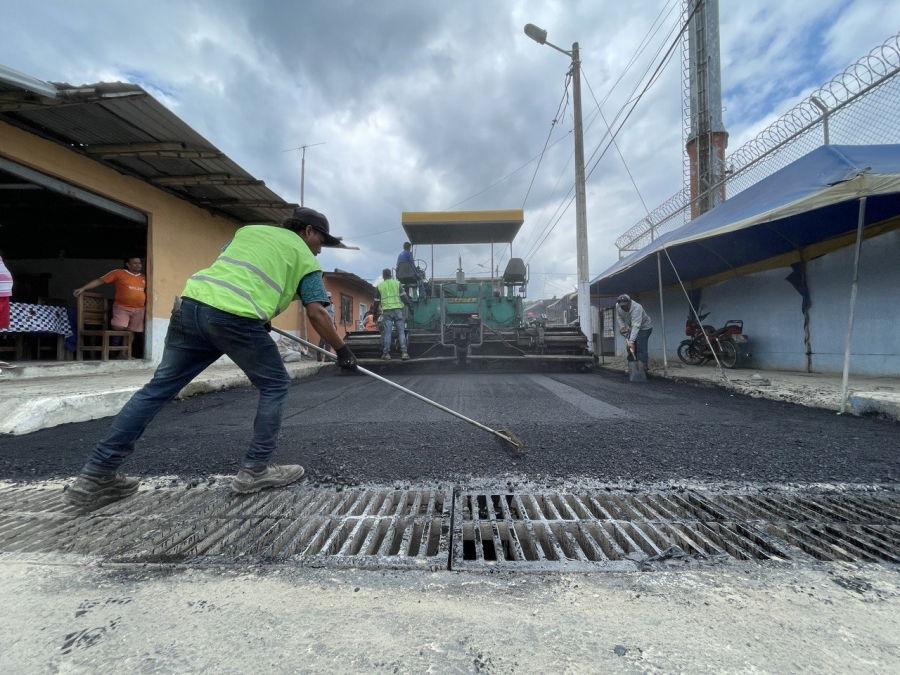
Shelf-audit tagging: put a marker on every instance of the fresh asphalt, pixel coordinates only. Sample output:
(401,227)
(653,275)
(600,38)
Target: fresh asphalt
(353,430)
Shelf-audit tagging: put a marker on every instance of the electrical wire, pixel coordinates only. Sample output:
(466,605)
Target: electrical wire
(621,156)
(512,173)
(563,104)
(630,98)
(633,104)
(667,57)
(659,22)
(641,47)
(373,234)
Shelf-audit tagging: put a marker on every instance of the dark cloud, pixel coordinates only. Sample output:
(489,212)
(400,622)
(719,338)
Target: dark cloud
(424,105)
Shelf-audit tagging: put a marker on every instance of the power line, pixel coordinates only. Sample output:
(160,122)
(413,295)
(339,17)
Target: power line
(373,234)
(502,179)
(555,284)
(534,230)
(563,100)
(621,156)
(637,84)
(654,77)
(655,27)
(651,32)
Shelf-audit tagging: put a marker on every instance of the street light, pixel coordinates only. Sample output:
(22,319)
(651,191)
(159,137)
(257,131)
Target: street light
(539,35)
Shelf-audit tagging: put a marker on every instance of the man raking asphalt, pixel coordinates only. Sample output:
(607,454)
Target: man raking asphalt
(227,309)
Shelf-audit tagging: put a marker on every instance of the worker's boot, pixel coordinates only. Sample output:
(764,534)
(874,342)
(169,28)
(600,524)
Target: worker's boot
(274,475)
(92,492)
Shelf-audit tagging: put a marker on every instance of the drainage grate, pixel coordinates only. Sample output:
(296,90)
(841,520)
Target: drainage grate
(354,528)
(618,531)
(377,528)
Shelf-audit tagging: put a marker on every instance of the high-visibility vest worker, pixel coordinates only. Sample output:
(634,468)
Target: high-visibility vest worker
(256,275)
(389,294)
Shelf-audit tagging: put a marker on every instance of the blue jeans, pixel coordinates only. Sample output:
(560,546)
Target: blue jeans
(640,345)
(198,335)
(389,317)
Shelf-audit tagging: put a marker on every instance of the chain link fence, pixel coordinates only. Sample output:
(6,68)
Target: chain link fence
(860,106)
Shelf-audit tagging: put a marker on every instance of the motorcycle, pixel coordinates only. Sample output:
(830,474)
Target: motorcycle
(729,344)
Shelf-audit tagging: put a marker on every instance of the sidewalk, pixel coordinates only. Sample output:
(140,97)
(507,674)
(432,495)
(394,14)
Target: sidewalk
(867,394)
(41,396)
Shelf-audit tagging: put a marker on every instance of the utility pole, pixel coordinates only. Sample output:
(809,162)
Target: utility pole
(581,240)
(303,164)
(585,319)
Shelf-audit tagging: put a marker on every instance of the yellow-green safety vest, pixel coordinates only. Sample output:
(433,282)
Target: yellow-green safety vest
(389,292)
(256,275)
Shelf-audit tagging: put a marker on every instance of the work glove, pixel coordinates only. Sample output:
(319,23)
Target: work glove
(268,326)
(345,359)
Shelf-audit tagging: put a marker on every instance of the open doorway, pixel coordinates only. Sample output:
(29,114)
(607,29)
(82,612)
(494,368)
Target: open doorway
(54,238)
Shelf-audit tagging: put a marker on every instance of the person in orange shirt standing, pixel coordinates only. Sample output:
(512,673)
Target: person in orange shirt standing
(128,306)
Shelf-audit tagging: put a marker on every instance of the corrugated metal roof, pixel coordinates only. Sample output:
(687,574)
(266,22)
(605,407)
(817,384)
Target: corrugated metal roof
(351,279)
(122,126)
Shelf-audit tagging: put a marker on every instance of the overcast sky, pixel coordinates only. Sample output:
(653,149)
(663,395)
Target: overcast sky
(424,106)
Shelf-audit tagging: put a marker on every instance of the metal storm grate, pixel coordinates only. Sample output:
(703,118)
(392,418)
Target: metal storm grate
(359,528)
(619,531)
(434,529)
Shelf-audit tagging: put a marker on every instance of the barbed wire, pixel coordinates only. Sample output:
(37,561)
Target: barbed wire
(861,104)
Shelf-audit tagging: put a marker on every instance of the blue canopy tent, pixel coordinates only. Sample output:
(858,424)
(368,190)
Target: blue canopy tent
(822,196)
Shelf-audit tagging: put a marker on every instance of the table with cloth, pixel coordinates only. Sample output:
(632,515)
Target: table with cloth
(42,319)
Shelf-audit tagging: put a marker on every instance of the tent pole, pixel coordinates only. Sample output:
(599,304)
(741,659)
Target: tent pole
(853,289)
(662,314)
(697,316)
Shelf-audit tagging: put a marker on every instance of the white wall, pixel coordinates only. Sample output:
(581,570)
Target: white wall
(771,310)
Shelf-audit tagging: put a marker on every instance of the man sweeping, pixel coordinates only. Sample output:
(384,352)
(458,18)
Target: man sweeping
(635,325)
(227,309)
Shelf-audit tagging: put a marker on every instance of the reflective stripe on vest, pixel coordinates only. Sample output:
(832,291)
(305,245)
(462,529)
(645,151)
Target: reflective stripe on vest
(389,292)
(234,289)
(257,275)
(253,268)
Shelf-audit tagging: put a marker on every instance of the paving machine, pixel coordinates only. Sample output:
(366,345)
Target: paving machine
(472,321)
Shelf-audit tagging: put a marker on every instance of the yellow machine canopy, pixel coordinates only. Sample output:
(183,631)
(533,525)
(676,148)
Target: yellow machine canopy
(462,227)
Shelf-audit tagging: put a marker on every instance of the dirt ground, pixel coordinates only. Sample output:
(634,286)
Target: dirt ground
(60,617)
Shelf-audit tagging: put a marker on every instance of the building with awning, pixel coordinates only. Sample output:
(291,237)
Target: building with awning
(91,174)
(783,256)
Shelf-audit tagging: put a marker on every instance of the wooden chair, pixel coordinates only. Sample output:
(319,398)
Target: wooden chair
(11,343)
(93,328)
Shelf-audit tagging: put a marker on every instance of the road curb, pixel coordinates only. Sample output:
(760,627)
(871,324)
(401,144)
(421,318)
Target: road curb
(43,412)
(876,403)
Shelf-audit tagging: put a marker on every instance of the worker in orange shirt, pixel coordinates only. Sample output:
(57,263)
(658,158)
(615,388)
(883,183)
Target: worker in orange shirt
(131,296)
(369,322)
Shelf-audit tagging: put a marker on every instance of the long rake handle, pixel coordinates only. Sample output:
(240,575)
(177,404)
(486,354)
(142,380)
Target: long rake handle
(396,386)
